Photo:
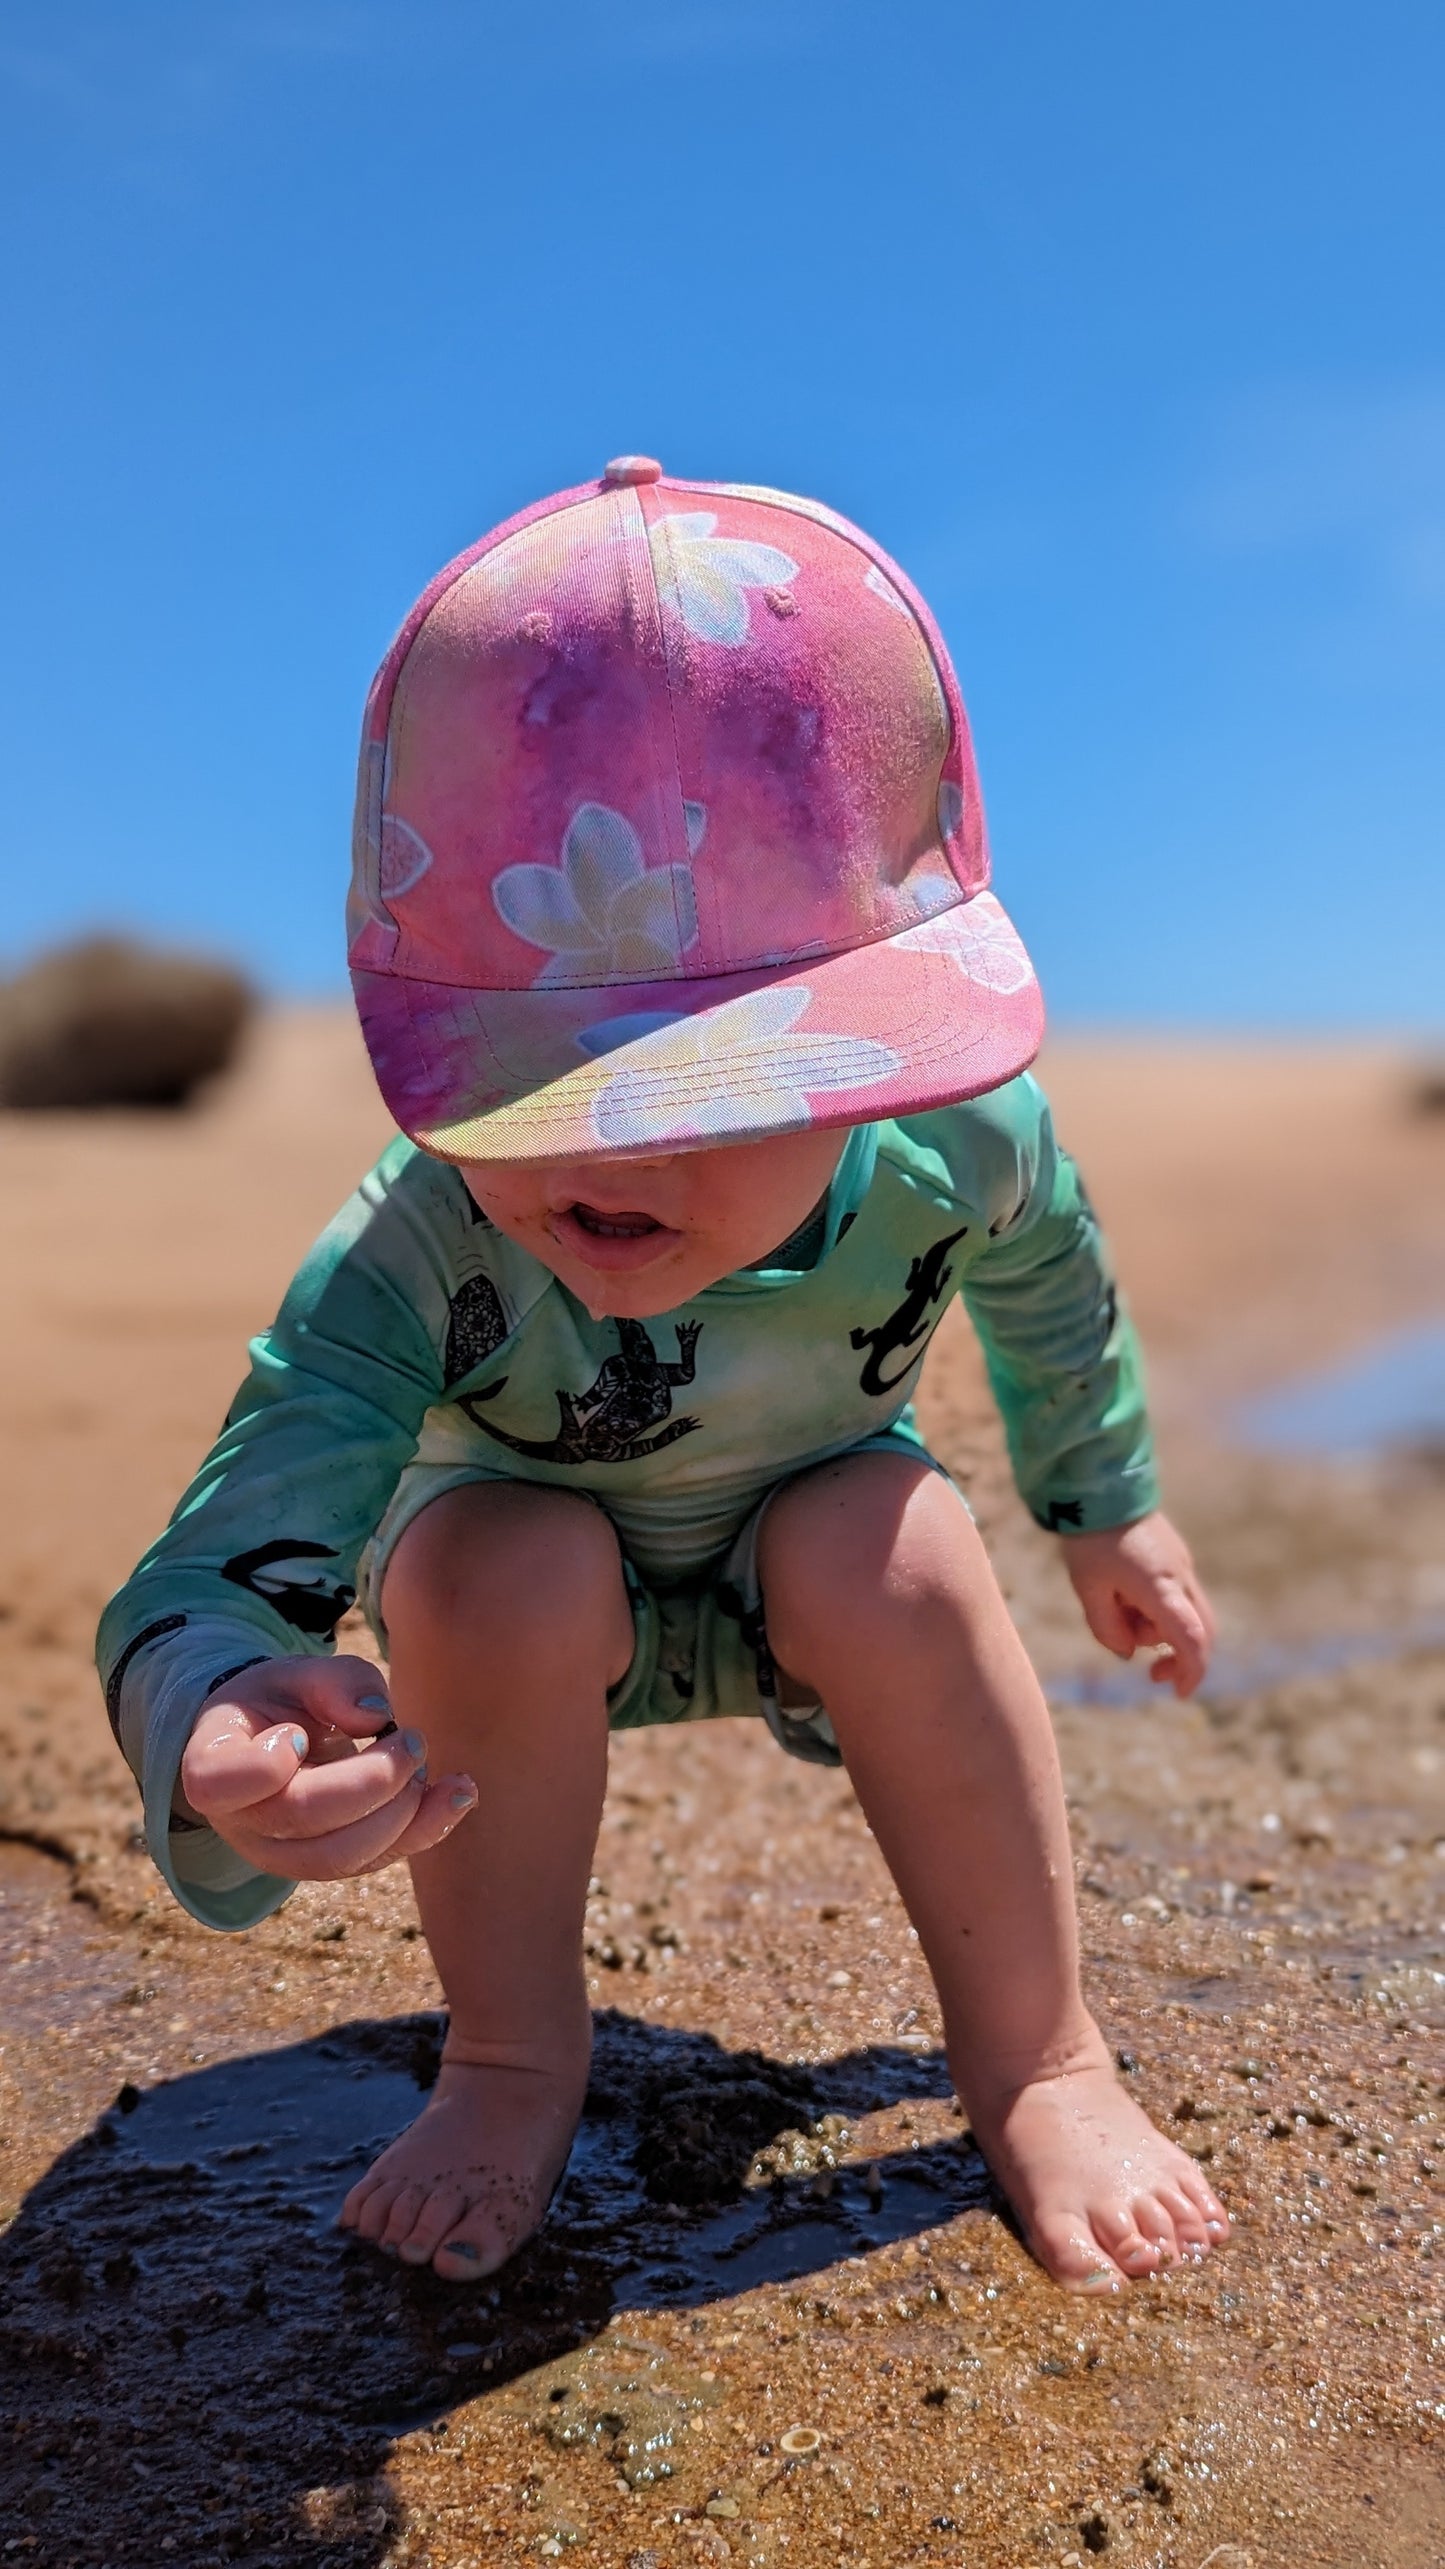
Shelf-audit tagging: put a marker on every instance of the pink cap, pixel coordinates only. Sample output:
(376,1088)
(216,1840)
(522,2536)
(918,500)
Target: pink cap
(668,832)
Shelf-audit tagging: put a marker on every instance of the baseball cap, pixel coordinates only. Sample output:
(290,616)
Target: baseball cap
(668,833)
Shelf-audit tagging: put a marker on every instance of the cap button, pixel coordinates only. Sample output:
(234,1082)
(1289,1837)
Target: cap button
(626,469)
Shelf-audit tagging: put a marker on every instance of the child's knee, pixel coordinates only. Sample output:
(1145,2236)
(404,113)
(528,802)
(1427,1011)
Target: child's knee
(539,1569)
(873,1550)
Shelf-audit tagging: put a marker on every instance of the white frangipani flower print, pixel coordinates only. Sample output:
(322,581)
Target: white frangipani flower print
(391,856)
(882,587)
(603,914)
(740,1067)
(979,937)
(705,578)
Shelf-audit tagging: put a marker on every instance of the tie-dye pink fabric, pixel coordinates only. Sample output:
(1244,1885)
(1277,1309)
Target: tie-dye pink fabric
(668,830)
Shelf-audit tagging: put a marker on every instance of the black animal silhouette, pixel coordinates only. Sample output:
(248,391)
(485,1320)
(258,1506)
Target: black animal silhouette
(476,1327)
(276,1572)
(610,1422)
(911,1324)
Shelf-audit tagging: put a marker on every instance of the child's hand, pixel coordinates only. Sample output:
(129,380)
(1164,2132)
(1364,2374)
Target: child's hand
(285,1765)
(1138,1586)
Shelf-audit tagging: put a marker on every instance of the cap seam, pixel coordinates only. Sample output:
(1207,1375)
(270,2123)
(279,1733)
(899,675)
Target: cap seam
(796,959)
(662,635)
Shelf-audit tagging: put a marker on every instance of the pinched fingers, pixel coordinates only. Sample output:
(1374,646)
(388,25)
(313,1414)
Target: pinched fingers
(235,1758)
(384,1836)
(343,1694)
(1108,1618)
(334,1793)
(443,1807)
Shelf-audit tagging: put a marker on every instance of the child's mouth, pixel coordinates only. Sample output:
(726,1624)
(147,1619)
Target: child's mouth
(613,1240)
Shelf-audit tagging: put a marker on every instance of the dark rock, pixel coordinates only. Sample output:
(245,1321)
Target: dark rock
(108,1022)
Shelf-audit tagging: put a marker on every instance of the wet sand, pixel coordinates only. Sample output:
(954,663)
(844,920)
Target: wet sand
(776,2316)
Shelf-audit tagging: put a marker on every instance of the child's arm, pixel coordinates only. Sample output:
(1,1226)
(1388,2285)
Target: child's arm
(259,1561)
(1066,1370)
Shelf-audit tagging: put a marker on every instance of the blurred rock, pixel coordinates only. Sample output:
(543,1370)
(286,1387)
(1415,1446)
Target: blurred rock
(108,1022)
(1426,1093)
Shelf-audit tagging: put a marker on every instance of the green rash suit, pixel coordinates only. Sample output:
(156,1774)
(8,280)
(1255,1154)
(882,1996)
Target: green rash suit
(418,1348)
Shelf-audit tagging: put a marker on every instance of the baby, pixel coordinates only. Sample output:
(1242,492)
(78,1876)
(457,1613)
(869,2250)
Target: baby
(674,954)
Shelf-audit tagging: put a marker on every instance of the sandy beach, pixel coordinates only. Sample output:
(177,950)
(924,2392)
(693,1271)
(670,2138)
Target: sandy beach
(776,2317)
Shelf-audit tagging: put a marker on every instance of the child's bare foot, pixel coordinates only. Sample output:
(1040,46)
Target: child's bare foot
(471,2178)
(1102,2197)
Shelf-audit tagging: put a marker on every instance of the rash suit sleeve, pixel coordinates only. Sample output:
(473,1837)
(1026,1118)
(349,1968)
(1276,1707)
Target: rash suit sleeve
(259,1560)
(1062,1354)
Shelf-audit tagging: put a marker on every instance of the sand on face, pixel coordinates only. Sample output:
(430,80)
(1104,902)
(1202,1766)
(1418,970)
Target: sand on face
(1261,1902)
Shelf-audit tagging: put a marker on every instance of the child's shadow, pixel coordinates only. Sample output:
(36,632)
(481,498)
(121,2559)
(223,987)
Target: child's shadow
(195,2361)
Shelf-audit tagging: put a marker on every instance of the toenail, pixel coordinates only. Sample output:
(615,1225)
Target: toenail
(460,2248)
(413,1743)
(1101,2280)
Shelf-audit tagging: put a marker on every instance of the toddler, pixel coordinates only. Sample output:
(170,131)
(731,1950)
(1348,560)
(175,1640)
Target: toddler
(673,948)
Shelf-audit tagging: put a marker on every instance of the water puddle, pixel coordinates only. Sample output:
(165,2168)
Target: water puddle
(200,2212)
(1389,1396)
(1253,1672)
(291,2128)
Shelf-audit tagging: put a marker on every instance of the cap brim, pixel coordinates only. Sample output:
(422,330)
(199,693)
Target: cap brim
(941,1012)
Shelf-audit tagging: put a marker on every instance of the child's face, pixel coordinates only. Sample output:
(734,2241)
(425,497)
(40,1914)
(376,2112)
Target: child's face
(633,1237)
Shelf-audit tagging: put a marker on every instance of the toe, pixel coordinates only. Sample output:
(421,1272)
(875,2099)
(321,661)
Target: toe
(1207,2204)
(350,2213)
(1065,2244)
(1153,2218)
(374,2210)
(1133,2244)
(442,2209)
(1191,2236)
(406,2203)
(476,2245)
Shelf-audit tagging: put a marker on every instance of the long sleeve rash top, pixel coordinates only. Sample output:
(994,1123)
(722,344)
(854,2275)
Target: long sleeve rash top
(414,1329)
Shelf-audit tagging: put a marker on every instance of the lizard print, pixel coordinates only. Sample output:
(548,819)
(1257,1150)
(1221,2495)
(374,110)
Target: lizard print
(610,1422)
(910,1325)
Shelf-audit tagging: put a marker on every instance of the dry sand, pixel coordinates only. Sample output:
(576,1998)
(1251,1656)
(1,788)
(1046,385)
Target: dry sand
(847,2358)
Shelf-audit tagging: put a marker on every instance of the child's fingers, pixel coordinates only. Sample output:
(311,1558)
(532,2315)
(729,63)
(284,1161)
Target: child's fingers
(341,1853)
(1110,1620)
(444,1806)
(230,1764)
(335,1793)
(1199,1599)
(345,1694)
(1179,1625)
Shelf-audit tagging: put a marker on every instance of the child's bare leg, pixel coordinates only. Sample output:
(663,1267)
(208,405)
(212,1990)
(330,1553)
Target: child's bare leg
(880,1600)
(508,1620)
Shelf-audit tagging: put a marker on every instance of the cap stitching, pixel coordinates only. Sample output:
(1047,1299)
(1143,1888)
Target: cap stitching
(666,637)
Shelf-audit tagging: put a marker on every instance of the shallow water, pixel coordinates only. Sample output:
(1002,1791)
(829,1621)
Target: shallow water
(1254,1671)
(1390,1395)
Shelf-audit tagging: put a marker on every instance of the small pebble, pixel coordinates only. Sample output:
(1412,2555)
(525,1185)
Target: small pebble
(800,2439)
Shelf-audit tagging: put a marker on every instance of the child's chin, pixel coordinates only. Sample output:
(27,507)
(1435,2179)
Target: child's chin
(625,1297)
(641,1296)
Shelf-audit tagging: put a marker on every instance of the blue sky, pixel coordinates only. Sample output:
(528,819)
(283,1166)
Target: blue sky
(1122,327)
